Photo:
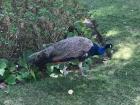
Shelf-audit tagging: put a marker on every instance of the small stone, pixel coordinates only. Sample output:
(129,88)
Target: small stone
(17,66)
(70,92)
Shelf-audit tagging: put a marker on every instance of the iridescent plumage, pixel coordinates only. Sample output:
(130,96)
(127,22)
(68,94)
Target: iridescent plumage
(66,50)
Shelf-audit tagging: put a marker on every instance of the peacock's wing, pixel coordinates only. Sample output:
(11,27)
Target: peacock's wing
(73,47)
(70,48)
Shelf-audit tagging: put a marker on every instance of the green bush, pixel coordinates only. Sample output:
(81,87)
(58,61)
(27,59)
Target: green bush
(30,24)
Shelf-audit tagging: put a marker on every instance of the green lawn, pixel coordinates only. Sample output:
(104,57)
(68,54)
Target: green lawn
(114,83)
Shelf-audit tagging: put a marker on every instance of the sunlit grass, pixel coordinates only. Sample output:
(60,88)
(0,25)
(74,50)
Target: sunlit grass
(17,101)
(137,100)
(133,31)
(113,32)
(123,53)
(103,11)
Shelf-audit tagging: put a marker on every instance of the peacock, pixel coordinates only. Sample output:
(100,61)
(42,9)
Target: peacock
(72,48)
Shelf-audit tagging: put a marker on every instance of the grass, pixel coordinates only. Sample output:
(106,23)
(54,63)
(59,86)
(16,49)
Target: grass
(114,83)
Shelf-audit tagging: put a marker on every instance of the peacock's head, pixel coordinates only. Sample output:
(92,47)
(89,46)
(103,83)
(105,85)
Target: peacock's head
(108,50)
(108,46)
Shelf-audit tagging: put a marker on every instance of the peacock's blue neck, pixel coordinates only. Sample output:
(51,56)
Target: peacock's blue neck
(96,50)
(101,50)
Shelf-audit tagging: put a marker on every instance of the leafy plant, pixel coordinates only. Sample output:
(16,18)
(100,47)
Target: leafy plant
(11,79)
(12,73)
(21,35)
(26,71)
(3,65)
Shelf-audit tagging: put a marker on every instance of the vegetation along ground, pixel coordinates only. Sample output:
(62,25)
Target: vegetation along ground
(115,83)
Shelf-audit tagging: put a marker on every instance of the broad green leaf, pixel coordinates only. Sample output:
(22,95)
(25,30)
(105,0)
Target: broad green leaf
(19,78)
(23,63)
(25,74)
(3,64)
(11,80)
(2,72)
(33,74)
(12,68)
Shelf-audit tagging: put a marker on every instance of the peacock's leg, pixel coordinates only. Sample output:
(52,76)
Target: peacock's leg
(43,72)
(65,72)
(81,68)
